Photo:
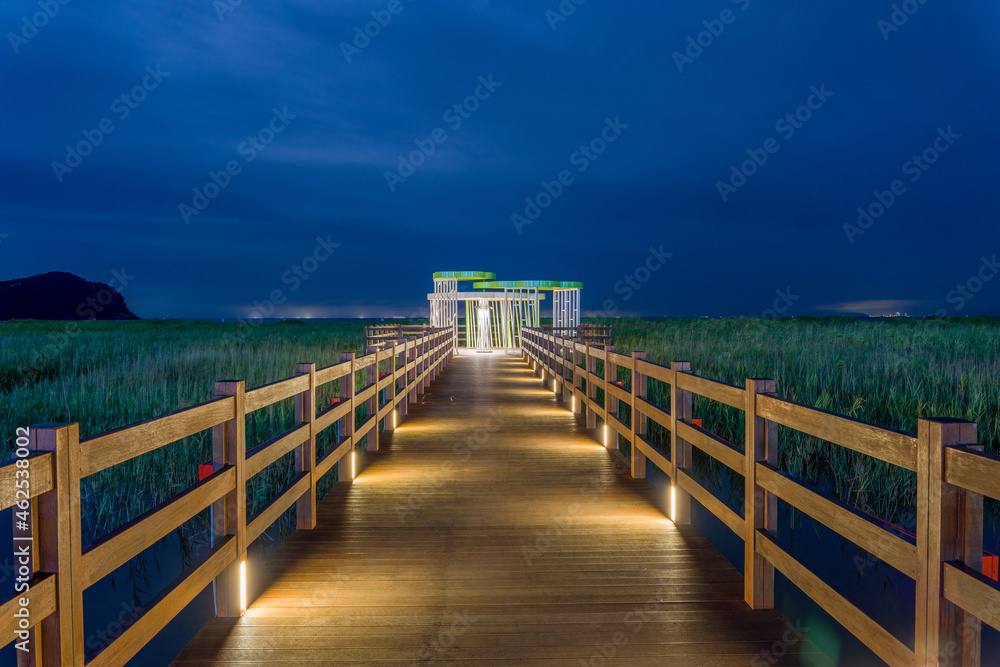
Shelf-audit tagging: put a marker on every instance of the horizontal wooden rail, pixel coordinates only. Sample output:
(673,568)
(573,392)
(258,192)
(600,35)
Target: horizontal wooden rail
(973,470)
(718,448)
(972,591)
(716,391)
(651,453)
(269,394)
(129,442)
(860,624)
(889,445)
(166,606)
(332,415)
(660,415)
(619,427)
(61,460)
(655,371)
(620,360)
(953,475)
(331,373)
(41,605)
(143,532)
(40,472)
(842,519)
(276,507)
(725,514)
(618,392)
(268,452)
(325,464)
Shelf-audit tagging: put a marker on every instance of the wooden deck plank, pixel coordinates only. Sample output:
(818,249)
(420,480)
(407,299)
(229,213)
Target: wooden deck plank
(492,528)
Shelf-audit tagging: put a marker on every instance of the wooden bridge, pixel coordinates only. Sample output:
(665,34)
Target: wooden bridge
(486,522)
(492,527)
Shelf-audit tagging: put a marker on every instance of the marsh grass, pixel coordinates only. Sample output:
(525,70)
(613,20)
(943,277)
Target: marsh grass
(888,372)
(106,375)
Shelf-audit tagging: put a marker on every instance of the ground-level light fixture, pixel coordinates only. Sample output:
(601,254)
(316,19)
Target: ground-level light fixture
(243,587)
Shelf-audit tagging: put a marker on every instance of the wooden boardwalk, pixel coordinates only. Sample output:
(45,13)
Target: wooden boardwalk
(493,529)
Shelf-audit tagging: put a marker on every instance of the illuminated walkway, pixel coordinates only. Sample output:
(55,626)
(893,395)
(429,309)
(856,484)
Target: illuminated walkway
(493,528)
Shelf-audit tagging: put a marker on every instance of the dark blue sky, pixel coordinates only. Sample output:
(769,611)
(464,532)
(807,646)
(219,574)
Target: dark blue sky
(337,127)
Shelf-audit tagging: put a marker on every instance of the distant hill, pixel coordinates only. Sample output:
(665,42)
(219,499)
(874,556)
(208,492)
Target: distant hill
(61,296)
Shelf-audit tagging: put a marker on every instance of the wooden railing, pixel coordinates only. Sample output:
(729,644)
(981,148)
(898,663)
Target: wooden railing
(953,474)
(596,334)
(380,335)
(60,570)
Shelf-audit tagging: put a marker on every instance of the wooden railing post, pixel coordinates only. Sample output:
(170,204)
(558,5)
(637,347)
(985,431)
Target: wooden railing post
(556,368)
(760,509)
(390,391)
(591,387)
(347,387)
(371,405)
(949,528)
(639,423)
(229,448)
(536,353)
(680,449)
(305,454)
(435,368)
(567,365)
(401,357)
(610,402)
(411,375)
(577,377)
(59,545)
(422,366)
(24,531)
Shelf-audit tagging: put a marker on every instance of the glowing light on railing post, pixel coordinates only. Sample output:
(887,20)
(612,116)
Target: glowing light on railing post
(243,587)
(605,435)
(394,419)
(673,502)
(354,464)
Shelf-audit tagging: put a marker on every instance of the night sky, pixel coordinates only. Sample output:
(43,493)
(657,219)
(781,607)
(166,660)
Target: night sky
(208,153)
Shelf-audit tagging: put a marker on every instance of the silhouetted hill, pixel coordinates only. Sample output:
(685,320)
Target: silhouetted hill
(61,296)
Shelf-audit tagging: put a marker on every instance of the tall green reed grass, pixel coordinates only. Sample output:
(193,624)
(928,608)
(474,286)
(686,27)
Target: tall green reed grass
(888,372)
(106,375)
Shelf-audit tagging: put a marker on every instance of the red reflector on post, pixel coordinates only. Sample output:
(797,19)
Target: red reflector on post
(990,563)
(697,422)
(334,401)
(205,470)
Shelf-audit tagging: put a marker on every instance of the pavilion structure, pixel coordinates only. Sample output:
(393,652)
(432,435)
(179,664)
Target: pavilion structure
(493,312)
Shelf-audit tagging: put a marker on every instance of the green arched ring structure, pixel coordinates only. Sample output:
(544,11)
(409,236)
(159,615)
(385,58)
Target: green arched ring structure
(464,275)
(538,284)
